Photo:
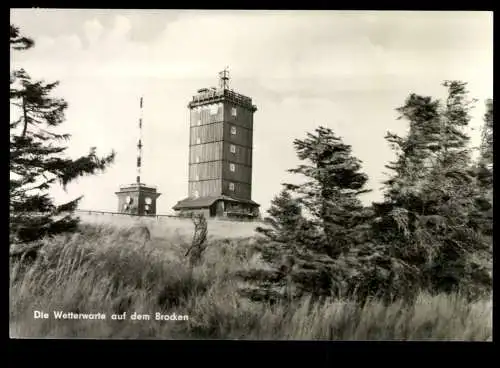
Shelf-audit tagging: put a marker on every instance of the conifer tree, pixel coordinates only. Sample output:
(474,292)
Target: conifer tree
(284,217)
(427,218)
(485,164)
(487,134)
(37,158)
(309,251)
(285,227)
(331,191)
(482,216)
(396,217)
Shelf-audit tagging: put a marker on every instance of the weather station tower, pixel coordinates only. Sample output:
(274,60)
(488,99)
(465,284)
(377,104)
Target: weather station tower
(220,154)
(138,198)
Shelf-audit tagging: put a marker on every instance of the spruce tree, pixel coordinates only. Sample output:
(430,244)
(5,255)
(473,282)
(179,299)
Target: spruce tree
(485,174)
(283,218)
(314,226)
(485,164)
(397,216)
(331,191)
(487,134)
(427,219)
(463,248)
(482,216)
(285,226)
(37,158)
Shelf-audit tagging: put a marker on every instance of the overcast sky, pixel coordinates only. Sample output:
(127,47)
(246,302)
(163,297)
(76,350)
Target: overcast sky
(344,70)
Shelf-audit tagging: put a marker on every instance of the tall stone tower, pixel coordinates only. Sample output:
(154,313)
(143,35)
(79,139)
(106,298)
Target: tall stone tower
(138,198)
(220,153)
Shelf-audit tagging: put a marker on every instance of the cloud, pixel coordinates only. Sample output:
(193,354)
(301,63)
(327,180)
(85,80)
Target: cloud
(292,46)
(93,30)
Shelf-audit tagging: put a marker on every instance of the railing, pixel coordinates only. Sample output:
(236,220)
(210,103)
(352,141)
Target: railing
(239,213)
(92,212)
(157,217)
(215,94)
(238,97)
(134,185)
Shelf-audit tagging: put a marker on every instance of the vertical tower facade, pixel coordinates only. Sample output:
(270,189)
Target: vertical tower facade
(138,198)
(220,153)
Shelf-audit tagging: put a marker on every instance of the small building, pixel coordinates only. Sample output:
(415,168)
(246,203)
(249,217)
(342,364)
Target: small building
(220,154)
(137,199)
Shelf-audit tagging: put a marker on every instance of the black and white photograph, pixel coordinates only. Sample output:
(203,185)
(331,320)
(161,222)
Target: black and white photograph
(251,174)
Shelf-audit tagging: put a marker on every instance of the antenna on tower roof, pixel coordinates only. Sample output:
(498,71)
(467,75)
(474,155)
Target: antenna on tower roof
(224,78)
(139,146)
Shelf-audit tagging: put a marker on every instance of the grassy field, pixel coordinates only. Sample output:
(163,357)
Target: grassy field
(174,228)
(104,270)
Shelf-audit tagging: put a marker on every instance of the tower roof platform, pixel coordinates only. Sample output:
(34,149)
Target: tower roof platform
(214,95)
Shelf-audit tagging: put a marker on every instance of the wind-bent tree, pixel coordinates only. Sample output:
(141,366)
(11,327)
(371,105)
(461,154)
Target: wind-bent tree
(428,219)
(485,164)
(483,216)
(37,158)
(432,231)
(332,188)
(396,217)
(313,226)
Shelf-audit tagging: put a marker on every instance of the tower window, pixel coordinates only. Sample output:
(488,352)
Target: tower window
(232,167)
(197,177)
(233,130)
(196,194)
(231,187)
(198,122)
(197,159)
(198,140)
(233,111)
(214,109)
(232,148)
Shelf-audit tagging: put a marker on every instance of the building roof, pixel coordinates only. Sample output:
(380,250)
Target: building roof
(140,186)
(211,95)
(208,201)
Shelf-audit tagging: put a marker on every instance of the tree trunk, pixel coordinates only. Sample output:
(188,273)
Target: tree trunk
(25,113)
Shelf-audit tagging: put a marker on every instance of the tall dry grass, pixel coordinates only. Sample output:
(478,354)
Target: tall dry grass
(171,227)
(111,271)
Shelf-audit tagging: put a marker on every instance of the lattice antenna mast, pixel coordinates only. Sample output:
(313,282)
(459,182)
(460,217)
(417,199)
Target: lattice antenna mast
(139,144)
(224,79)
